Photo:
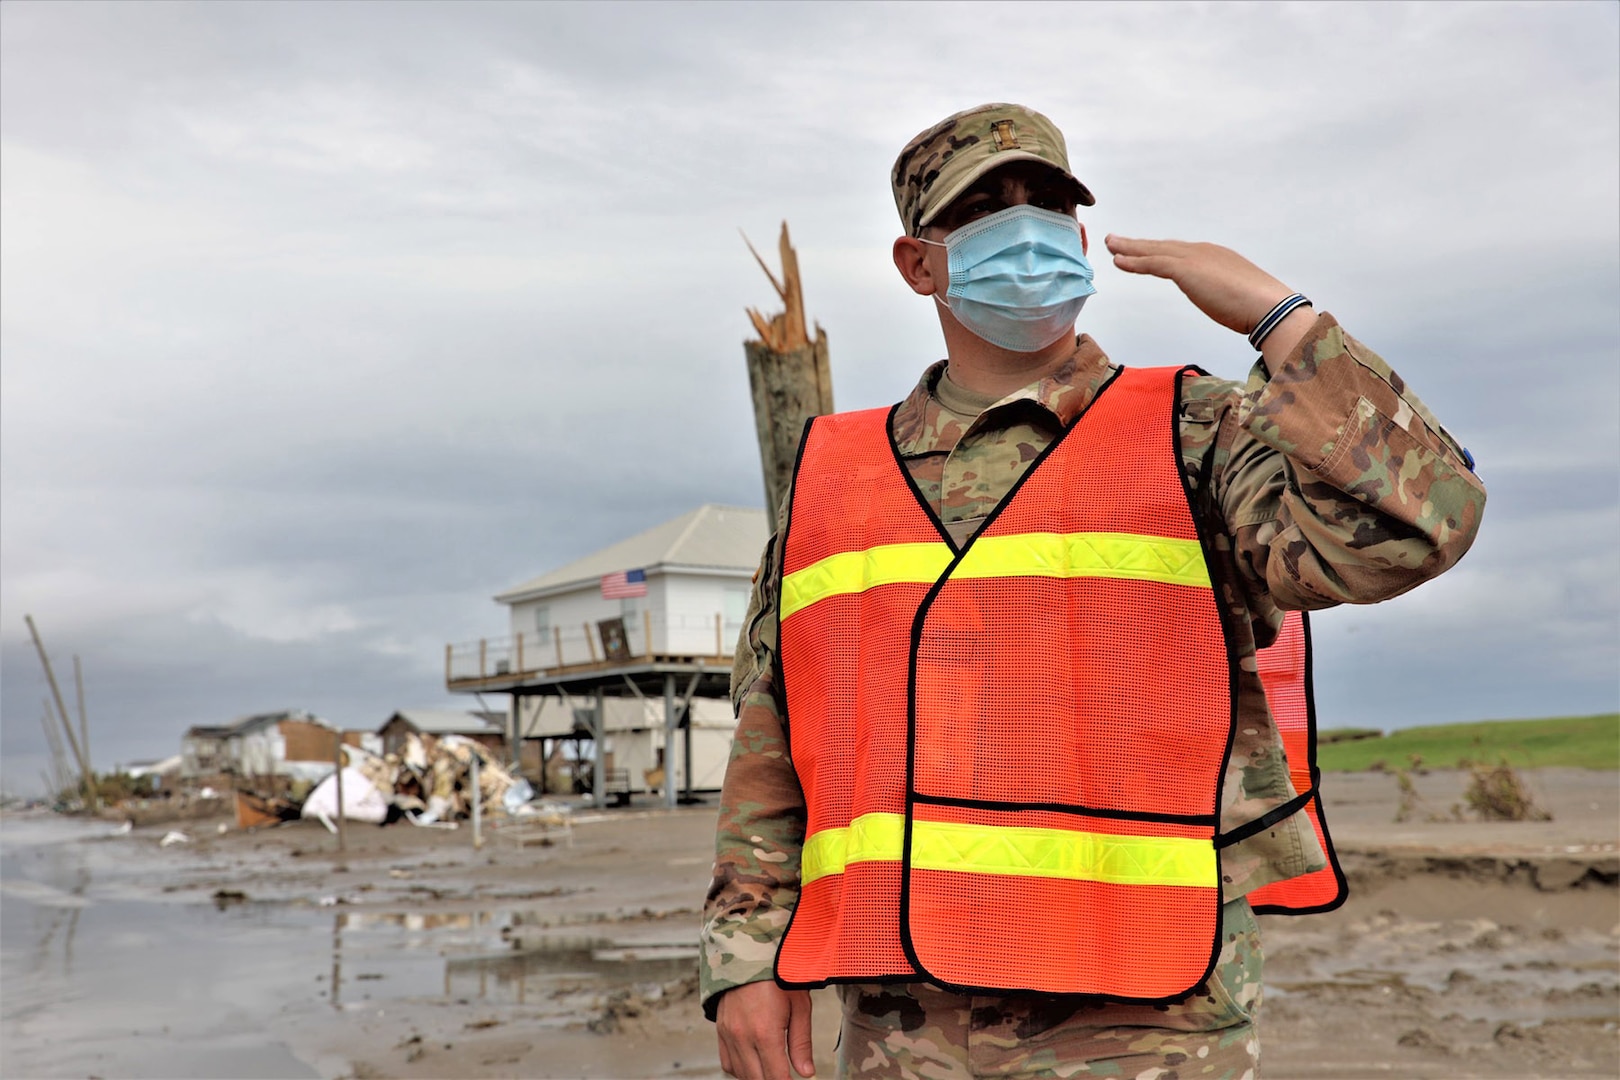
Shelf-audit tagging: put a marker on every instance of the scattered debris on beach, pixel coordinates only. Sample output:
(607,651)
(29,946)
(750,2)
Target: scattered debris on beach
(428,783)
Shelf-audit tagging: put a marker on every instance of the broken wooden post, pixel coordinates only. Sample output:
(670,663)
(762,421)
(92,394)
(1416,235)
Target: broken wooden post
(788,375)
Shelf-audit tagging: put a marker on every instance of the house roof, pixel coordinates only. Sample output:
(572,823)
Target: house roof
(247,724)
(445,721)
(710,537)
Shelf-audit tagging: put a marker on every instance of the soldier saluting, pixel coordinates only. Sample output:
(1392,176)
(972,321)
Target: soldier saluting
(1024,656)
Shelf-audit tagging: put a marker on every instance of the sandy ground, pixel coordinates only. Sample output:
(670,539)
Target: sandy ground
(1465,949)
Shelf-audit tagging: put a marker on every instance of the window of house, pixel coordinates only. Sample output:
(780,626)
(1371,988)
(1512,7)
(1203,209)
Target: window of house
(542,621)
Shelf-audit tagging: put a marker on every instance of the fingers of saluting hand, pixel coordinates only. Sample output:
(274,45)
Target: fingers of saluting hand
(1157,257)
(1223,284)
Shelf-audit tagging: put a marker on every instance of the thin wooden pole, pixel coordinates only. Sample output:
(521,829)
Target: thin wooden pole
(59,767)
(477,807)
(556,636)
(56,691)
(669,741)
(519,653)
(337,758)
(449,653)
(84,725)
(599,737)
(589,640)
(646,624)
(719,635)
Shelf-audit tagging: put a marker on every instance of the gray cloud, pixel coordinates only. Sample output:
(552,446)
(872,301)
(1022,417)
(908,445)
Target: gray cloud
(322,323)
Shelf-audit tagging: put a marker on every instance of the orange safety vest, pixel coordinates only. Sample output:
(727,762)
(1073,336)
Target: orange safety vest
(1011,752)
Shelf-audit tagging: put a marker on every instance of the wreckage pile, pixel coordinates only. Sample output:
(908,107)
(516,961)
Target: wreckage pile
(430,782)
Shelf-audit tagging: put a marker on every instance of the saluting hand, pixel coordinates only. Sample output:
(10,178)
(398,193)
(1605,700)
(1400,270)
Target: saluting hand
(1223,284)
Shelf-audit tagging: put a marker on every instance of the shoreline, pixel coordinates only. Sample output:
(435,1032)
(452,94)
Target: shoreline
(1465,949)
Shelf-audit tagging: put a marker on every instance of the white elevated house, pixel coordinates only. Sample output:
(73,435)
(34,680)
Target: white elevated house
(640,633)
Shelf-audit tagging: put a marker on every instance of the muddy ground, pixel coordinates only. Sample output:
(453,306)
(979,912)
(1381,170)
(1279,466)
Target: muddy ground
(1465,950)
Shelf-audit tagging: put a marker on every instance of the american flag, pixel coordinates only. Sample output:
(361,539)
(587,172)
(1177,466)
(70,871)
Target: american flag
(624,584)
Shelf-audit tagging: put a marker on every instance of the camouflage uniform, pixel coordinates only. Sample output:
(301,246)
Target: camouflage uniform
(916,1030)
(1322,482)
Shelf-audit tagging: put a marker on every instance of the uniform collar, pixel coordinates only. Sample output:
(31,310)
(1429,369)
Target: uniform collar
(920,421)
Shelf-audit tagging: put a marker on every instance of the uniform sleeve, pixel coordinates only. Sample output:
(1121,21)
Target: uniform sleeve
(1330,483)
(1338,485)
(760,834)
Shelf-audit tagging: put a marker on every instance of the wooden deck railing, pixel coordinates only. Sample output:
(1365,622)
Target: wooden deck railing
(582,649)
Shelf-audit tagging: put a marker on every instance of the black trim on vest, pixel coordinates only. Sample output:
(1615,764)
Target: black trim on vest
(781,670)
(911,481)
(1267,819)
(913,799)
(917,621)
(1201,526)
(787,739)
(1069,808)
(1342,892)
(776,971)
(787,525)
(928,507)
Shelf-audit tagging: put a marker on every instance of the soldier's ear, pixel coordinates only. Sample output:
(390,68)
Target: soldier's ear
(911,259)
(1085,244)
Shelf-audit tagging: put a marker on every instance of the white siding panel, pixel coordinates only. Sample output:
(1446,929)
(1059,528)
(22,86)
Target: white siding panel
(695,600)
(570,613)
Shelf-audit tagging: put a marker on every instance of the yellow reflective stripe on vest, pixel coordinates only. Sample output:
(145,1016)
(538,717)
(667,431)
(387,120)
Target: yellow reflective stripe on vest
(857,571)
(1054,555)
(1070,555)
(869,838)
(1019,851)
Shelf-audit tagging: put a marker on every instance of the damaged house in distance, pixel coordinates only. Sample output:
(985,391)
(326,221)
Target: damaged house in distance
(291,743)
(629,650)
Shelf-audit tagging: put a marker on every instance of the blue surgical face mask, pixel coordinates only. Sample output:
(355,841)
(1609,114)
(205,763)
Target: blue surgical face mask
(1018,277)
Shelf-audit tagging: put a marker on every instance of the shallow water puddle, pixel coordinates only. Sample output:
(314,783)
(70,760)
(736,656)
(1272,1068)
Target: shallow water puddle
(506,956)
(109,973)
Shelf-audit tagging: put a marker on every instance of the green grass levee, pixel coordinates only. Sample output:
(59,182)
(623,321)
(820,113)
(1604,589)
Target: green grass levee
(1589,742)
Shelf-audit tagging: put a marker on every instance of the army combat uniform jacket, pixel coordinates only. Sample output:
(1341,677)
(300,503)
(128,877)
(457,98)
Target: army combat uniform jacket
(1323,482)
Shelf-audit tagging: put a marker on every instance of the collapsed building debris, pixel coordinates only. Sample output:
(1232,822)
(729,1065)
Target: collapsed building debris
(428,782)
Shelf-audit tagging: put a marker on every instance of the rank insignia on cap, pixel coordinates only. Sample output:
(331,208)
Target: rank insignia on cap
(1006,135)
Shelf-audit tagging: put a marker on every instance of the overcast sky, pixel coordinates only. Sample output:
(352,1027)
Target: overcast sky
(322,323)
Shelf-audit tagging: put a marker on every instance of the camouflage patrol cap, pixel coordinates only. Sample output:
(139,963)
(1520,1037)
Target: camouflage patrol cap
(940,163)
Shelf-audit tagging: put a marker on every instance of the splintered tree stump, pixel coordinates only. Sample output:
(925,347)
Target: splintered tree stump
(788,375)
